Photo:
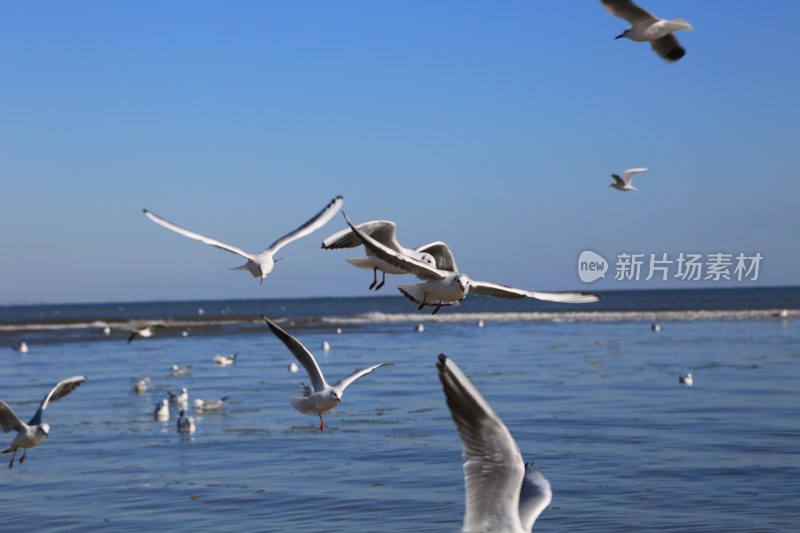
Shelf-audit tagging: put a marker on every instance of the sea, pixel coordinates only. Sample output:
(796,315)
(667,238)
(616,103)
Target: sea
(590,393)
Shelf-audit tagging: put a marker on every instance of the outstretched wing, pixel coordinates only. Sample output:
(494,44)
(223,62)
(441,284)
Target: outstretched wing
(536,494)
(618,180)
(61,389)
(316,222)
(301,353)
(625,9)
(395,258)
(383,231)
(493,466)
(628,175)
(344,382)
(441,254)
(9,420)
(668,48)
(503,291)
(196,236)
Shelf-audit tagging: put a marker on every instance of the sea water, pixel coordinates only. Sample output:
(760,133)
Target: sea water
(590,393)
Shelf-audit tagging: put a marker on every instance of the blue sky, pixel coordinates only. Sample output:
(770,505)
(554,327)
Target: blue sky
(491,126)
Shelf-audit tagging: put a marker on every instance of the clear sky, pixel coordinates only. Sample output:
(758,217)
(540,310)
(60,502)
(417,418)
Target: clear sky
(493,126)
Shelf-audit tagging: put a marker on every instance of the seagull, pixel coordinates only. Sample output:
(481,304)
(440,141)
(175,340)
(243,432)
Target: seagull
(185,423)
(624,183)
(326,346)
(259,264)
(22,347)
(209,405)
(655,327)
(140,385)
(686,379)
(324,397)
(162,410)
(384,231)
(179,371)
(225,360)
(35,431)
(444,288)
(181,398)
(647,27)
(145,332)
(419,328)
(503,493)
(293,367)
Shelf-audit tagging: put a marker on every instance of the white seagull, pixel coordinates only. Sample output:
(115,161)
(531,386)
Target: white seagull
(35,431)
(686,379)
(162,410)
(179,371)
(225,360)
(181,398)
(384,231)
(646,27)
(22,347)
(448,287)
(145,331)
(624,183)
(209,405)
(324,397)
(503,493)
(259,264)
(185,423)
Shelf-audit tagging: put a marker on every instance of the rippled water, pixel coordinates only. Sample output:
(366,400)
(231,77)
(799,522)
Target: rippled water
(597,405)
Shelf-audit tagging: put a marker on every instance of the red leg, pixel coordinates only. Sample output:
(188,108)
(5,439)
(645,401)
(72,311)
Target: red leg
(11,463)
(375,274)
(321,423)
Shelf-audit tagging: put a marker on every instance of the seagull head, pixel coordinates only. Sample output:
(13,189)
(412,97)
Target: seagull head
(463,283)
(44,428)
(336,396)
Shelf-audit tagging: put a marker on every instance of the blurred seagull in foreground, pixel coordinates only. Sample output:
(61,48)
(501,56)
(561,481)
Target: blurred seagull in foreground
(185,423)
(646,27)
(35,431)
(384,231)
(624,183)
(503,493)
(225,360)
(448,287)
(258,264)
(324,397)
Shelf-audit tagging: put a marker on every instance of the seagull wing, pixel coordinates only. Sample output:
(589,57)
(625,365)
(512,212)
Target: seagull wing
(442,254)
(196,236)
(383,231)
(358,373)
(618,180)
(61,389)
(625,9)
(316,222)
(668,48)
(536,494)
(395,258)
(628,175)
(9,420)
(497,290)
(301,353)
(493,466)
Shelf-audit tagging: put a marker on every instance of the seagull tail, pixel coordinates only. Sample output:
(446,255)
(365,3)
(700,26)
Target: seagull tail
(681,24)
(303,405)
(360,262)
(412,292)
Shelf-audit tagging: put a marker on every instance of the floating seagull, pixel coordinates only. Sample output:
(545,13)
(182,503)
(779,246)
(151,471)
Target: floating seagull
(145,332)
(338,331)
(783,313)
(448,287)
(624,183)
(259,264)
(185,423)
(434,253)
(326,346)
(140,385)
(209,405)
(686,379)
(225,360)
(503,493)
(655,327)
(293,367)
(181,398)
(323,397)
(35,431)
(162,410)
(179,371)
(22,347)
(480,323)
(419,328)
(647,27)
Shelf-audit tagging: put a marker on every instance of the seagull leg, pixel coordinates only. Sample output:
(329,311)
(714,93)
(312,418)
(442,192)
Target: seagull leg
(424,299)
(436,309)
(11,463)
(383,280)
(321,423)
(375,274)
(24,454)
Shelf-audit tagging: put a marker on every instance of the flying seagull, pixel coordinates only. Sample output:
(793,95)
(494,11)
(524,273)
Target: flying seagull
(258,264)
(144,332)
(503,493)
(323,397)
(647,27)
(384,231)
(624,183)
(35,431)
(444,288)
